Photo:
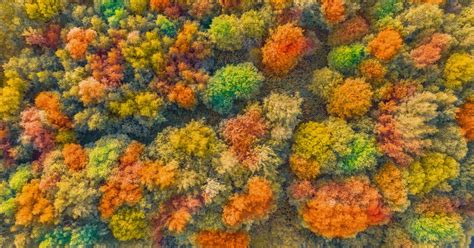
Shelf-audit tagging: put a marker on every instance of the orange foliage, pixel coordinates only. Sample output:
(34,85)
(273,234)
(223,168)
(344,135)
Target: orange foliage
(107,68)
(32,204)
(437,2)
(303,168)
(78,40)
(465,118)
(131,154)
(352,98)
(301,190)
(123,187)
(386,44)
(182,75)
(50,103)
(174,215)
(349,31)
(333,10)
(253,205)
(178,220)
(91,91)
(242,132)
(284,49)
(182,95)
(372,69)
(159,5)
(154,174)
(343,209)
(390,181)
(220,239)
(430,52)
(436,205)
(389,136)
(75,157)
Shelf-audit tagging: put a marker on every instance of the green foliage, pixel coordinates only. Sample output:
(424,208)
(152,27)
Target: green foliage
(385,8)
(363,155)
(21,176)
(253,23)
(226,32)
(166,26)
(335,147)
(104,156)
(435,229)
(346,59)
(109,8)
(231,83)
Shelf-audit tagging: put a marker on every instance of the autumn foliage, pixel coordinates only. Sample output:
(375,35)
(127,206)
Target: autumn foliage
(465,118)
(351,99)
(283,49)
(33,206)
(78,41)
(430,52)
(343,209)
(220,239)
(242,132)
(349,31)
(255,204)
(386,44)
(333,10)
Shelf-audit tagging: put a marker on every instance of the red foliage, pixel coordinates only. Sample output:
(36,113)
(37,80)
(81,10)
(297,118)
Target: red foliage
(349,31)
(48,38)
(5,146)
(301,190)
(389,138)
(430,52)
(107,68)
(178,204)
(183,75)
(33,130)
(242,132)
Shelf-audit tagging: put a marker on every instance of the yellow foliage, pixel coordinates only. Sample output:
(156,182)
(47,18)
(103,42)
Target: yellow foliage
(431,171)
(459,70)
